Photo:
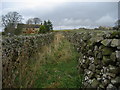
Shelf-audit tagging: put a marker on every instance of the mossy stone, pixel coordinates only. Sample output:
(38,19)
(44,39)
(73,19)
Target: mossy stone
(113,56)
(106,42)
(99,55)
(115,34)
(106,51)
(115,43)
(95,83)
(106,60)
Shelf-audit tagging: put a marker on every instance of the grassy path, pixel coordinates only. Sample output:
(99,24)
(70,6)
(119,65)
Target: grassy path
(53,67)
(58,68)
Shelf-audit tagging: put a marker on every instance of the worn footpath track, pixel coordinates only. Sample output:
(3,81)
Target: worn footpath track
(58,69)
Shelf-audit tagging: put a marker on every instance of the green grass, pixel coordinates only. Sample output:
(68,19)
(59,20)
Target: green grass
(59,70)
(54,66)
(83,30)
(58,75)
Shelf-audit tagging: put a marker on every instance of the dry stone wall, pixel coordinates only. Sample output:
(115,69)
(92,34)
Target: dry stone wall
(16,51)
(99,59)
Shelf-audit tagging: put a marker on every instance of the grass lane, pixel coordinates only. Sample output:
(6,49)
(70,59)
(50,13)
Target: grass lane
(59,67)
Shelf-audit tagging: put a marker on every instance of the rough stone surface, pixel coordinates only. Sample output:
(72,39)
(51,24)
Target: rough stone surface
(117,79)
(106,51)
(101,55)
(113,56)
(106,42)
(118,54)
(106,60)
(95,83)
(92,67)
(109,86)
(17,51)
(115,43)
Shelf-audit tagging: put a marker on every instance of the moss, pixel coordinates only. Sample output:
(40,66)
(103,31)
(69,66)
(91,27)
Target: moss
(106,60)
(115,34)
(115,42)
(106,42)
(106,51)
(95,83)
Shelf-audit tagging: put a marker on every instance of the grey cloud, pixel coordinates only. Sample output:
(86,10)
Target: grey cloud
(106,21)
(85,14)
(74,14)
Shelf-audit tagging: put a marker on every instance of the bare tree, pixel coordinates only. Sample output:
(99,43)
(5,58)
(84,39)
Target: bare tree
(29,21)
(10,20)
(36,20)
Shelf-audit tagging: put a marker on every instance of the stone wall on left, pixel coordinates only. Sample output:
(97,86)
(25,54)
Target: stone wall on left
(16,51)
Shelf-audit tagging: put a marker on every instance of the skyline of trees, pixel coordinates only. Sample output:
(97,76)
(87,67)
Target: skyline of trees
(34,20)
(10,21)
(46,27)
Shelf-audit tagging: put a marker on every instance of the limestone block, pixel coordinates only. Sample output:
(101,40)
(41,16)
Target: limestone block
(106,42)
(115,43)
(107,51)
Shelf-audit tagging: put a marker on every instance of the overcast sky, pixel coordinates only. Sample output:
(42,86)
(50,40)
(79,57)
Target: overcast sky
(66,14)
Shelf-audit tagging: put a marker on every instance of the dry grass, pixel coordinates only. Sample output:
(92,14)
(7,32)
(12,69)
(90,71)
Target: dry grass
(52,66)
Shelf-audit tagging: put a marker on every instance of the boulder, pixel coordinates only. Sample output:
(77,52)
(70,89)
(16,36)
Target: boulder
(106,51)
(97,62)
(105,82)
(95,83)
(113,56)
(86,37)
(106,42)
(86,84)
(87,63)
(90,53)
(106,60)
(96,48)
(118,47)
(113,81)
(101,86)
(98,67)
(115,34)
(117,79)
(111,75)
(113,69)
(111,87)
(115,42)
(99,55)
(107,35)
(97,71)
(98,39)
(91,75)
(118,55)
(92,67)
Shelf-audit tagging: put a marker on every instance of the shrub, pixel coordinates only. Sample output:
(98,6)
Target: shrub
(42,29)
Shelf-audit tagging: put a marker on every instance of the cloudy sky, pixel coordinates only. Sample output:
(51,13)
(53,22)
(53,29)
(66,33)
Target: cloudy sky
(66,14)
